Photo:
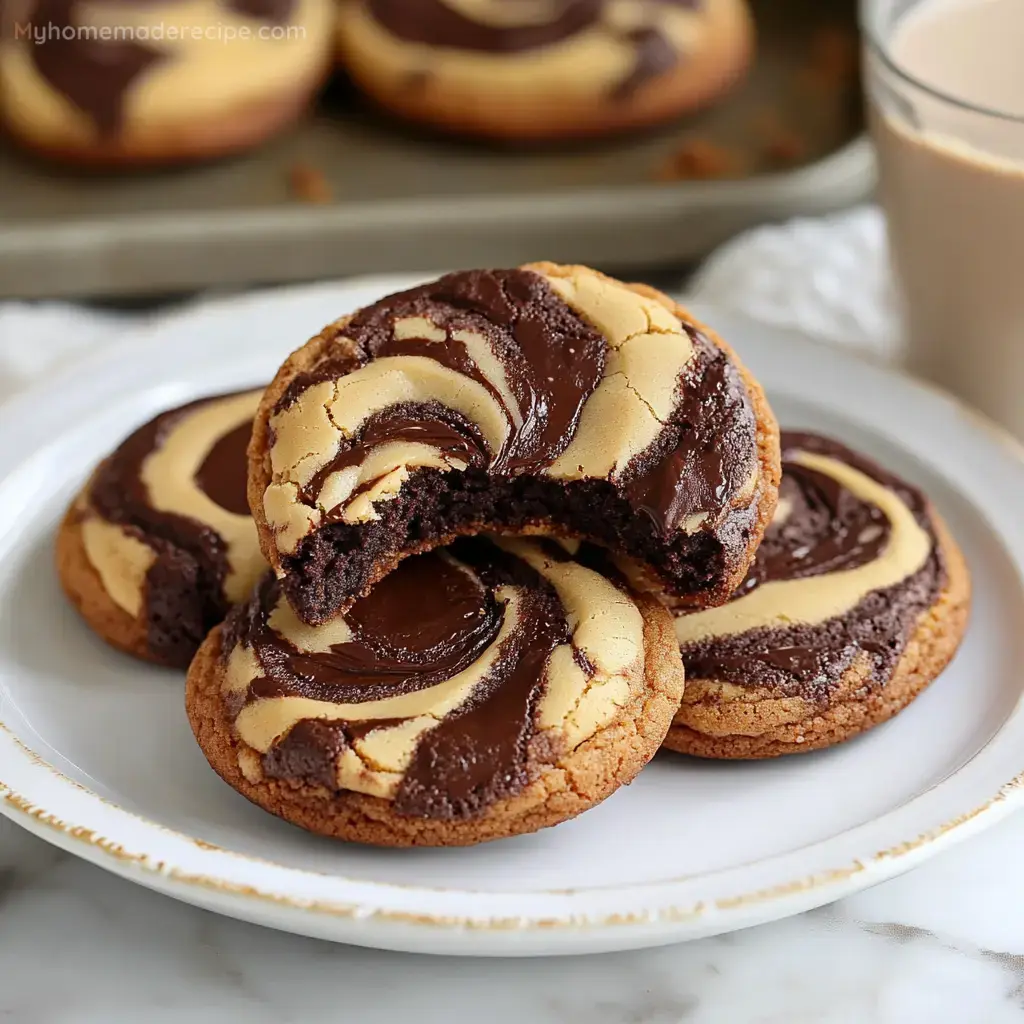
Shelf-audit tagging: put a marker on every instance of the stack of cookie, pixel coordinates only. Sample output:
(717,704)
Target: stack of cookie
(129,83)
(501,511)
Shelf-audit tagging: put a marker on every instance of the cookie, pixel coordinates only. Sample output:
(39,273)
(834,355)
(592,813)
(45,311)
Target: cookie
(857,600)
(544,69)
(543,399)
(160,543)
(125,83)
(485,690)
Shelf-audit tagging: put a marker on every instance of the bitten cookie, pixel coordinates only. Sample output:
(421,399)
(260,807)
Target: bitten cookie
(160,542)
(857,600)
(485,690)
(544,69)
(144,82)
(544,399)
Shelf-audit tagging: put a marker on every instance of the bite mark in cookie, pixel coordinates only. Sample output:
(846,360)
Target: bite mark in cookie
(514,399)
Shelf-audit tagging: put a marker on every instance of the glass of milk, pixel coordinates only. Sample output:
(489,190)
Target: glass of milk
(945,83)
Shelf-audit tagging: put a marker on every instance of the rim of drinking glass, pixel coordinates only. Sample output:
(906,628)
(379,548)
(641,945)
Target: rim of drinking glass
(874,40)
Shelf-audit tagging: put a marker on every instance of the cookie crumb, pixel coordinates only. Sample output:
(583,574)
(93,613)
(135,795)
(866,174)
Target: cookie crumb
(308,184)
(833,57)
(785,149)
(781,146)
(700,160)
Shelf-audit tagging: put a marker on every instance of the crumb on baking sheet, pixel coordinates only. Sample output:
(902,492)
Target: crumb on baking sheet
(833,56)
(780,144)
(700,159)
(787,149)
(308,184)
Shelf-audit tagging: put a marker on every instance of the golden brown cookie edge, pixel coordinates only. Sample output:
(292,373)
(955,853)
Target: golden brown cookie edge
(84,589)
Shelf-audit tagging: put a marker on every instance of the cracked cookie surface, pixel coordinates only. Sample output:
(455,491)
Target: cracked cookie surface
(484,690)
(541,399)
(160,542)
(857,599)
(544,69)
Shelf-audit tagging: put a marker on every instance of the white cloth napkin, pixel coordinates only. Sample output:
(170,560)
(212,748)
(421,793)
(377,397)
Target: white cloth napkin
(828,277)
(38,335)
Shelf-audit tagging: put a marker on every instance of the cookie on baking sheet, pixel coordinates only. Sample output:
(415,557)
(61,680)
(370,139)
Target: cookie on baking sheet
(142,82)
(542,399)
(544,69)
(160,543)
(485,690)
(857,600)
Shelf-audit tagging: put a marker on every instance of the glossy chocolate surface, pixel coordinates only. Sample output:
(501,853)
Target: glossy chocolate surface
(827,529)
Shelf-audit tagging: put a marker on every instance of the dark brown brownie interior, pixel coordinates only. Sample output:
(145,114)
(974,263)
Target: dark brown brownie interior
(341,562)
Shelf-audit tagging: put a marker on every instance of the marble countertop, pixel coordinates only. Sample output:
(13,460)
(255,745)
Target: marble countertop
(944,943)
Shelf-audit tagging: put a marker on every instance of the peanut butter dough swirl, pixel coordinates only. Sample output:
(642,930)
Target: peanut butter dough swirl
(94,70)
(461,674)
(500,27)
(848,565)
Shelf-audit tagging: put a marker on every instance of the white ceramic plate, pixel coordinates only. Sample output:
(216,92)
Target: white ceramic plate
(96,755)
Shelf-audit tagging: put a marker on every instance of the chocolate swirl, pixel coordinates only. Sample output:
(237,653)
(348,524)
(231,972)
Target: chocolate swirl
(822,529)
(187,583)
(445,705)
(94,74)
(435,23)
(398,644)
(223,475)
(548,363)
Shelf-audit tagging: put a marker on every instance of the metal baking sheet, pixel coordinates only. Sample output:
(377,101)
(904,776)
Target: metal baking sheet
(402,200)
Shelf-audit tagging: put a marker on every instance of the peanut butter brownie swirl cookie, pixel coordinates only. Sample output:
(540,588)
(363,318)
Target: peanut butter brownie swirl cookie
(544,69)
(544,399)
(485,690)
(160,542)
(142,82)
(857,600)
